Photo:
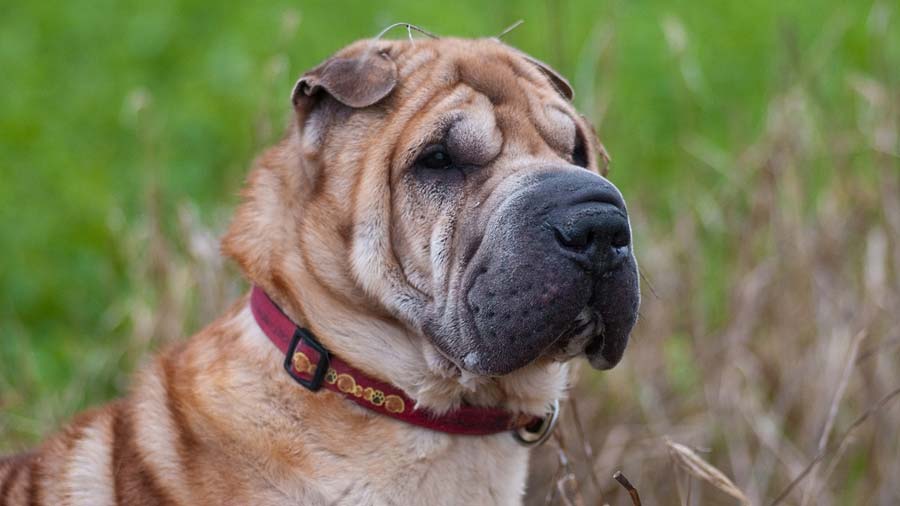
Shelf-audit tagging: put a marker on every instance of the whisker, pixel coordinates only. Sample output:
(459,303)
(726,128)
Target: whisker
(648,283)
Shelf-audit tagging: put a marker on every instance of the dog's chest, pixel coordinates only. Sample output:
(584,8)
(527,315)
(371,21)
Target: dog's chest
(428,468)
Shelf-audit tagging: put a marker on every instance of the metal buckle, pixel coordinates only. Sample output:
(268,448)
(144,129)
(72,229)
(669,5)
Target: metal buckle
(315,383)
(531,438)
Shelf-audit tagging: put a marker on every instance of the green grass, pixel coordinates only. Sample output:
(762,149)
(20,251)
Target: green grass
(115,115)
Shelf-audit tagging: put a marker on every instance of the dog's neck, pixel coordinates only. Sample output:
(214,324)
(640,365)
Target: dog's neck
(384,348)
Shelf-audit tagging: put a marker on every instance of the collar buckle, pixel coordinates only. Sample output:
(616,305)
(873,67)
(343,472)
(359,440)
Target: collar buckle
(536,436)
(321,367)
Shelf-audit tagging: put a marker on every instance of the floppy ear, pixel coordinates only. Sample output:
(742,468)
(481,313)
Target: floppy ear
(559,82)
(602,156)
(356,81)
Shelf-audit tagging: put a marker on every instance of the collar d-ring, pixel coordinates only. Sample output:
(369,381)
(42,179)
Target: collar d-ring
(536,436)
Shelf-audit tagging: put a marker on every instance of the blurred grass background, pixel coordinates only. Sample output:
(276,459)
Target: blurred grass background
(756,141)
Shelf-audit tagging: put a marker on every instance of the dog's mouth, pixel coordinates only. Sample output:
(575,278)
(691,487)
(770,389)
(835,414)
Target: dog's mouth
(585,332)
(488,332)
(588,335)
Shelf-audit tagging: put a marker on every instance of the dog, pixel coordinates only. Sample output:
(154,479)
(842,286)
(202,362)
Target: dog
(429,245)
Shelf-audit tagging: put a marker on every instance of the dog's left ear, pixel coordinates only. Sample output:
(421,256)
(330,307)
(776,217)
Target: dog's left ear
(356,81)
(556,79)
(559,82)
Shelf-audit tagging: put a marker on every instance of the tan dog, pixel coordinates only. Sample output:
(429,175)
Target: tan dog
(435,218)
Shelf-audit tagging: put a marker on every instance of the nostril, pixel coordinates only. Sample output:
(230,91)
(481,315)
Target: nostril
(577,239)
(620,239)
(597,237)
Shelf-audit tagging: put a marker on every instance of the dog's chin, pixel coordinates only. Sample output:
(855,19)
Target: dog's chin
(605,349)
(584,336)
(587,336)
(489,358)
(575,339)
(593,347)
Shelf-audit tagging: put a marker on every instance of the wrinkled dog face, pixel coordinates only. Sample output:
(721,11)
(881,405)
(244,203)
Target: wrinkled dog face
(482,221)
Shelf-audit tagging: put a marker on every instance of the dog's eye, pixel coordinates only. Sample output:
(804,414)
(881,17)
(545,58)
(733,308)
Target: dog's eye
(435,158)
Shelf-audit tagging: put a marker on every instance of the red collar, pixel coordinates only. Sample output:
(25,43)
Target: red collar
(314,367)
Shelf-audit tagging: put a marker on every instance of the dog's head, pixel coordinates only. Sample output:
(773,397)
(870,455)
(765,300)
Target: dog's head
(448,184)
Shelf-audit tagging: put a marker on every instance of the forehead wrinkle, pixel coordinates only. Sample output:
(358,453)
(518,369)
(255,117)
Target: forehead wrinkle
(490,75)
(440,99)
(523,88)
(543,87)
(526,71)
(415,62)
(559,128)
(501,82)
(539,99)
(519,116)
(498,74)
(474,137)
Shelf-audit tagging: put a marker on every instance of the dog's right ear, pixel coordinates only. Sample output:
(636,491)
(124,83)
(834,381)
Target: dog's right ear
(356,81)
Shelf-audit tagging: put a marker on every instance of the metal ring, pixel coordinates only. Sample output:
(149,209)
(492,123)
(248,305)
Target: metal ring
(529,438)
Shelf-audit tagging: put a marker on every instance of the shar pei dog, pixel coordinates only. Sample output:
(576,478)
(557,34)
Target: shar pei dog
(429,245)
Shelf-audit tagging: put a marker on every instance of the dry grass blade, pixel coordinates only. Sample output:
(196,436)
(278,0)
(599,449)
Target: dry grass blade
(635,498)
(409,29)
(567,483)
(699,468)
(841,443)
(833,409)
(841,389)
(586,448)
(510,28)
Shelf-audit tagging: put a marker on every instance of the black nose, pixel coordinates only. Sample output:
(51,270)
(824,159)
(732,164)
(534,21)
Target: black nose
(594,233)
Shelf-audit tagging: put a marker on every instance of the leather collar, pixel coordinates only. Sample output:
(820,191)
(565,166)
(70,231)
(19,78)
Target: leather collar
(310,364)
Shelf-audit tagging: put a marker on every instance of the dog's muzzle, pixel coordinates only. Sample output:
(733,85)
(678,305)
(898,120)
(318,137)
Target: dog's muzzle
(555,274)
